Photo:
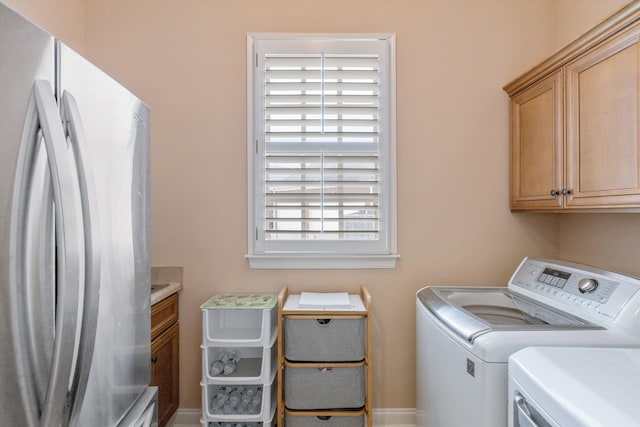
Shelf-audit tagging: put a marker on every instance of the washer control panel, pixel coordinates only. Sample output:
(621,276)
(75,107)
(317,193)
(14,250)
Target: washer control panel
(553,277)
(586,289)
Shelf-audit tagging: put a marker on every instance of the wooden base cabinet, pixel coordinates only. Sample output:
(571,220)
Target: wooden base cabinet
(575,123)
(165,356)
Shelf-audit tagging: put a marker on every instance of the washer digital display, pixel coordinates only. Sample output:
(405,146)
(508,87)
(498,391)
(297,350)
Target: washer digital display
(554,277)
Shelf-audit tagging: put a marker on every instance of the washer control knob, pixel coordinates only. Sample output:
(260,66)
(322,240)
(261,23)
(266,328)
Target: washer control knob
(587,285)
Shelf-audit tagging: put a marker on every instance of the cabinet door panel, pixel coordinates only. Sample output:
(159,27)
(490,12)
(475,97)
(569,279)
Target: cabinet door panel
(602,130)
(536,117)
(164,372)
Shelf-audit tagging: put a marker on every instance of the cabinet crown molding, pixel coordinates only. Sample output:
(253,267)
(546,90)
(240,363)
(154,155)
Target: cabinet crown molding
(620,20)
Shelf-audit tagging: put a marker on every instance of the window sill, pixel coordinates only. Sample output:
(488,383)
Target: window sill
(320,261)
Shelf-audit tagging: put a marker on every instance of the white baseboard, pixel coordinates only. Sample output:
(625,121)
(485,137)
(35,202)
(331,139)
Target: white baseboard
(186,418)
(382,417)
(394,417)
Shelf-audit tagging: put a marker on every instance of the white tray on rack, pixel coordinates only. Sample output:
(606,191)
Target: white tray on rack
(257,365)
(240,320)
(267,410)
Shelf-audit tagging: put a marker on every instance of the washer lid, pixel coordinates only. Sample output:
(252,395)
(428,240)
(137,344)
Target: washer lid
(471,312)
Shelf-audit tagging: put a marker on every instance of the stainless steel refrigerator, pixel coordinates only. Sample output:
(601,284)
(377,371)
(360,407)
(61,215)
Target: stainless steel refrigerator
(74,239)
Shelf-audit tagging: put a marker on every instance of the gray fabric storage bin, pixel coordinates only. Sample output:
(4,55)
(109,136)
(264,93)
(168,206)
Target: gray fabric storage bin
(312,421)
(324,340)
(324,388)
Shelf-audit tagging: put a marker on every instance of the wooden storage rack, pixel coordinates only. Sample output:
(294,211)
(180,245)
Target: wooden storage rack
(361,311)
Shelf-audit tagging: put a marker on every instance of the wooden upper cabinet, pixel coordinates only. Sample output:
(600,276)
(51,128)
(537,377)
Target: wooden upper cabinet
(536,149)
(575,123)
(603,162)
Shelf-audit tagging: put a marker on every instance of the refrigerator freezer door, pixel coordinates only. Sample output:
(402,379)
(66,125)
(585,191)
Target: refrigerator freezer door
(26,55)
(116,131)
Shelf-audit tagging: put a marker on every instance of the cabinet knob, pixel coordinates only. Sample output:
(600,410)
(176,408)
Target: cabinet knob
(154,359)
(554,193)
(565,191)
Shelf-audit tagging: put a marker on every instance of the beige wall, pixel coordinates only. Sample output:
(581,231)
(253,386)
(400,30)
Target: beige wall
(186,58)
(574,17)
(63,18)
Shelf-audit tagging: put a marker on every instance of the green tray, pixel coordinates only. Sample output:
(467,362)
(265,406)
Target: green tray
(241,301)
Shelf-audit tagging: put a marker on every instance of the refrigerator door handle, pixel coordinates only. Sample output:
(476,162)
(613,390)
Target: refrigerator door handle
(69,243)
(78,141)
(33,271)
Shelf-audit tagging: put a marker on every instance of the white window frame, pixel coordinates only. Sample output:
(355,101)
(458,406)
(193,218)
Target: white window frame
(327,254)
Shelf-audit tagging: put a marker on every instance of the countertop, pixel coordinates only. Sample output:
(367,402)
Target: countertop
(165,290)
(165,281)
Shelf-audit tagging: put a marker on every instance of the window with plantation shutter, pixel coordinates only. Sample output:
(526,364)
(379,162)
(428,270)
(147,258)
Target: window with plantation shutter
(321,151)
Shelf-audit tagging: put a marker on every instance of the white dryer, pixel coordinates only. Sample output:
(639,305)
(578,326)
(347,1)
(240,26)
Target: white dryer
(465,335)
(577,387)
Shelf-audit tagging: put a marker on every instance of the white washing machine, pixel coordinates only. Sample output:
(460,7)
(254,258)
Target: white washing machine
(465,335)
(577,387)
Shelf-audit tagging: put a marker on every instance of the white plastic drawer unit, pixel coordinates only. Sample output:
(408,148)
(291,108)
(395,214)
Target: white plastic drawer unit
(324,421)
(329,386)
(240,320)
(324,339)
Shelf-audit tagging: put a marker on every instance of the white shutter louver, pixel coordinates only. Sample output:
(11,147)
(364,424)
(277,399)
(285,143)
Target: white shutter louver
(321,147)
